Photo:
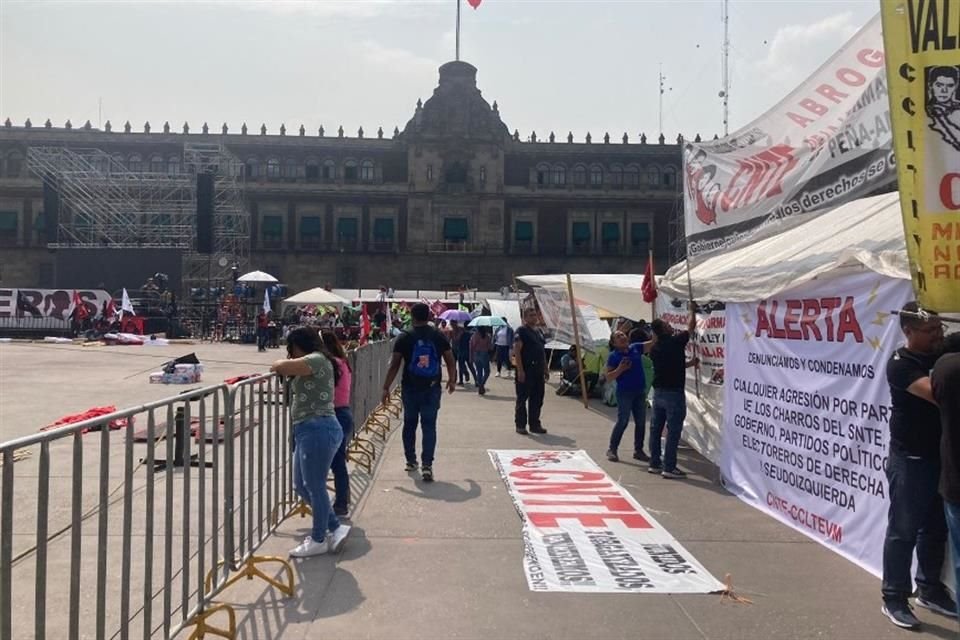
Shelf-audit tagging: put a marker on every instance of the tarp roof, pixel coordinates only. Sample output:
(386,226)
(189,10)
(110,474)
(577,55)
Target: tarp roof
(616,293)
(864,234)
(599,329)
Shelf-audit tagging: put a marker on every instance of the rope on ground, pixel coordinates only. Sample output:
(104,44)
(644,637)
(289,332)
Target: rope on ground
(19,454)
(728,592)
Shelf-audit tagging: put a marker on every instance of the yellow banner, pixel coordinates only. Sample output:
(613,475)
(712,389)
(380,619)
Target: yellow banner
(922,43)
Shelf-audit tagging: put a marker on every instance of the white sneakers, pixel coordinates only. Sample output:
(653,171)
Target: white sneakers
(309,548)
(331,544)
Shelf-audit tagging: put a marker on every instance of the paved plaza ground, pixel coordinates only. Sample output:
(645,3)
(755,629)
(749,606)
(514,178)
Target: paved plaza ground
(445,559)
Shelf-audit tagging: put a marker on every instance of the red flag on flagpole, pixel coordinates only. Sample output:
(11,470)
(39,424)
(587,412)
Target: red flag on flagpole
(364,324)
(649,286)
(80,311)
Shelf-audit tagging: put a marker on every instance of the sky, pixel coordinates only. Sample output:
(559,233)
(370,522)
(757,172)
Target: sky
(552,65)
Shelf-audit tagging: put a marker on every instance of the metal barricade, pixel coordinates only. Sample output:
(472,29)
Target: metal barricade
(74,573)
(92,539)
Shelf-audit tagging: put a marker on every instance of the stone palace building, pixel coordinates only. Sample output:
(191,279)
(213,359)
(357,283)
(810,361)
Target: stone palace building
(453,199)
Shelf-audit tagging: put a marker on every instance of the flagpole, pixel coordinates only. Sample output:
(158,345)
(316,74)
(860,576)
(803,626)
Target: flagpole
(576,339)
(458,29)
(690,304)
(653,276)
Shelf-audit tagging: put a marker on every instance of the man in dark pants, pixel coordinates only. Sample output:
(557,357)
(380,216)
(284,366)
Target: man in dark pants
(421,350)
(531,373)
(945,381)
(668,353)
(915,519)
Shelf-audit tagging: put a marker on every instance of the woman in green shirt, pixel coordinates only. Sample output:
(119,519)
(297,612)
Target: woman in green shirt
(316,433)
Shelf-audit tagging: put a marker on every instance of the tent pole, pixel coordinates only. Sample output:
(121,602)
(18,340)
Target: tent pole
(686,239)
(576,339)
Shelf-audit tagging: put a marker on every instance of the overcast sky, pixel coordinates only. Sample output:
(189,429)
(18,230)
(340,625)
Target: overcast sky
(561,65)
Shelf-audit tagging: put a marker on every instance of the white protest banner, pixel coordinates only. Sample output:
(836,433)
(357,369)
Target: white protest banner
(807,407)
(555,308)
(583,532)
(704,413)
(826,143)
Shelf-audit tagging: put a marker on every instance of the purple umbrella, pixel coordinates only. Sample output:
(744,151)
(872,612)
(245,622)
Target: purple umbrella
(456,314)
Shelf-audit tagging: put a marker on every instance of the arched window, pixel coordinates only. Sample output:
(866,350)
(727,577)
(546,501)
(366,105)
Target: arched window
(596,175)
(366,171)
(616,175)
(135,163)
(273,168)
(350,170)
(669,177)
(558,175)
(253,168)
(157,164)
(631,175)
(117,162)
(543,174)
(14,164)
(102,163)
(329,171)
(173,165)
(653,175)
(312,170)
(579,175)
(290,168)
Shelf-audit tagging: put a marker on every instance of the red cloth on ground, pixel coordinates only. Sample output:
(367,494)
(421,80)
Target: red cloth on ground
(117,423)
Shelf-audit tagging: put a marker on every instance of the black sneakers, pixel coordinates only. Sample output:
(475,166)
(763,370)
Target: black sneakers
(940,603)
(900,614)
(537,430)
(411,466)
(427,473)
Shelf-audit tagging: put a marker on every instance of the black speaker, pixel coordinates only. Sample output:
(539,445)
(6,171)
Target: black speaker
(205,206)
(51,210)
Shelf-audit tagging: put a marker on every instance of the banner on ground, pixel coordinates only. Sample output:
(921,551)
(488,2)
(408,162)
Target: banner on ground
(583,532)
(49,303)
(922,40)
(807,407)
(826,143)
(704,412)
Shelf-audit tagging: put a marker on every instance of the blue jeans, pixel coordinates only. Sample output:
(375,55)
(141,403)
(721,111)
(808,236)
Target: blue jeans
(316,442)
(670,409)
(503,357)
(341,478)
(630,402)
(915,521)
(952,512)
(481,361)
(420,405)
(465,367)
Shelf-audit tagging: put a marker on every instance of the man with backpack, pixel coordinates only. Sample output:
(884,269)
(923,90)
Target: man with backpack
(420,351)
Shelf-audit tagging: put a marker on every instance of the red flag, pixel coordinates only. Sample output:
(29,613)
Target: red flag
(110,311)
(649,286)
(474,3)
(80,311)
(364,324)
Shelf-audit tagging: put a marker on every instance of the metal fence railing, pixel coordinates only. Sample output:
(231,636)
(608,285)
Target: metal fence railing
(130,524)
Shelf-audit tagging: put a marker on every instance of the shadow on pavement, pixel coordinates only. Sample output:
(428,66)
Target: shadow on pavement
(445,491)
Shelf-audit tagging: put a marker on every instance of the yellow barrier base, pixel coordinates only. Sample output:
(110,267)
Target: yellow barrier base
(251,570)
(202,627)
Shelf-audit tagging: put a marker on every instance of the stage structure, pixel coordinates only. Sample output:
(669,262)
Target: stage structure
(100,204)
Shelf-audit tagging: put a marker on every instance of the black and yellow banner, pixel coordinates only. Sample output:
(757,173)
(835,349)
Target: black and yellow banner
(922,44)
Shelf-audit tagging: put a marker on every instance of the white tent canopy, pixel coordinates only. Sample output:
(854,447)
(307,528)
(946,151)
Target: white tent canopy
(509,309)
(865,233)
(317,295)
(617,293)
(257,277)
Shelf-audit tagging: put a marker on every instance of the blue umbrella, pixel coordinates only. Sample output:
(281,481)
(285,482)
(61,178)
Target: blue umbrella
(487,321)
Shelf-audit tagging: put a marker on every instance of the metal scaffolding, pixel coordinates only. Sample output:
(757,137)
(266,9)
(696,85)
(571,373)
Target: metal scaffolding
(105,205)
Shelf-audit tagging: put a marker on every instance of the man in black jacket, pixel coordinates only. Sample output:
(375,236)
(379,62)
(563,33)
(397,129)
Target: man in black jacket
(528,348)
(915,519)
